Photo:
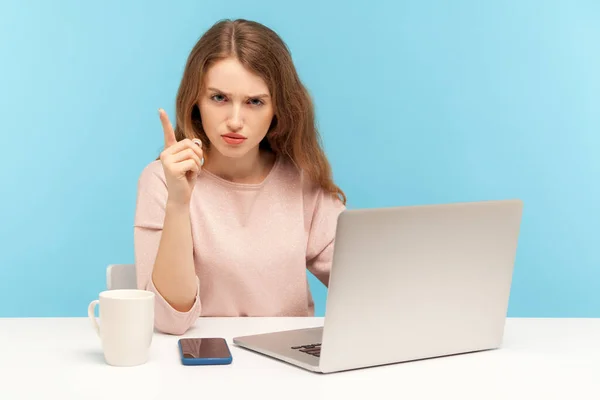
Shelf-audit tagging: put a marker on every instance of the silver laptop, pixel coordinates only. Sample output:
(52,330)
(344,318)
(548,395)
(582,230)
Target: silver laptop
(409,283)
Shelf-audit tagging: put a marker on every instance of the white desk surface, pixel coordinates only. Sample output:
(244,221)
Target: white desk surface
(541,359)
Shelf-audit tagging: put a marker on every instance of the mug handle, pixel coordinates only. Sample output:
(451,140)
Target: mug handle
(91,309)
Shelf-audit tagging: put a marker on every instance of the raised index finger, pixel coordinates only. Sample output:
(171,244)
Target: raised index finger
(167,129)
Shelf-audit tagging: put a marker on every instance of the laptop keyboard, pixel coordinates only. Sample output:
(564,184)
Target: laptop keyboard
(312,349)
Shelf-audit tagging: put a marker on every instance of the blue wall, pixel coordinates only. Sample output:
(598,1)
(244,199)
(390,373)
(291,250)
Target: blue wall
(418,102)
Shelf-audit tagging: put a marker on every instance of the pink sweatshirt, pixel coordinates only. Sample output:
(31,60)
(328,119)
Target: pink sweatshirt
(252,243)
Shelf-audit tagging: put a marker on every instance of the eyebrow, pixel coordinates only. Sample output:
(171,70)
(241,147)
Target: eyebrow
(258,96)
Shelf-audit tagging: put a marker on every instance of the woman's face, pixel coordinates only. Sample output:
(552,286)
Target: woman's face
(236,109)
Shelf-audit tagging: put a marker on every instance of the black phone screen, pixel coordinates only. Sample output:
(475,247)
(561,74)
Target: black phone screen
(204,348)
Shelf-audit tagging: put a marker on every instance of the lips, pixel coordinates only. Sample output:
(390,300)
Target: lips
(234,136)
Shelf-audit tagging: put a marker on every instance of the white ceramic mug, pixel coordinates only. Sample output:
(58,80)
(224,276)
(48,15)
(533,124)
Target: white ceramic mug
(126,325)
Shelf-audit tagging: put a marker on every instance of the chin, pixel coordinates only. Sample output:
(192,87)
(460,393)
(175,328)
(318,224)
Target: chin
(232,151)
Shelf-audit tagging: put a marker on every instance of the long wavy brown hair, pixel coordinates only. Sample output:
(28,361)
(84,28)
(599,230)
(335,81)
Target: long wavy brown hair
(293,133)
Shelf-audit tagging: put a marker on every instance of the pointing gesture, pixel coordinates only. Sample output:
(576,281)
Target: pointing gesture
(167,129)
(181,161)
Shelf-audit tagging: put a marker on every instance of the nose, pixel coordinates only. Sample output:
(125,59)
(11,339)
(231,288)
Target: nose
(235,121)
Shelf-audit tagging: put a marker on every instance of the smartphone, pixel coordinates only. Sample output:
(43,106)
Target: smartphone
(204,351)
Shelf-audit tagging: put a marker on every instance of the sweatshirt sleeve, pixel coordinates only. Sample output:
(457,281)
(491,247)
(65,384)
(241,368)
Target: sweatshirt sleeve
(148,223)
(322,210)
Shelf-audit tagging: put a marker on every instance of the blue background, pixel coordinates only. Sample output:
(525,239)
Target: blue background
(418,102)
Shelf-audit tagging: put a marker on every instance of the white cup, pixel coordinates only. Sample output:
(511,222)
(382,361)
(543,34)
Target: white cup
(126,325)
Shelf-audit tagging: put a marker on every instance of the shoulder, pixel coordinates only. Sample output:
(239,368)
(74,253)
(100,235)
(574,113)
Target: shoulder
(314,195)
(292,176)
(152,177)
(151,196)
(287,171)
(152,172)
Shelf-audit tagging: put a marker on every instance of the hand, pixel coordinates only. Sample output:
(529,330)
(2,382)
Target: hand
(181,161)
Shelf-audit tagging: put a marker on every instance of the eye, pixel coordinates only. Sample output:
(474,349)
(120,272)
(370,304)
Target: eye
(218,98)
(256,102)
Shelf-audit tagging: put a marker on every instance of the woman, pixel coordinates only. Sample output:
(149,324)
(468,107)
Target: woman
(241,200)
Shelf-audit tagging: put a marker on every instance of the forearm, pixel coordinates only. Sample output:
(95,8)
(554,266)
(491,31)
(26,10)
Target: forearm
(174,274)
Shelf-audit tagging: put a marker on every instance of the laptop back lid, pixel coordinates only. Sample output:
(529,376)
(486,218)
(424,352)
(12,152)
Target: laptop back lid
(419,281)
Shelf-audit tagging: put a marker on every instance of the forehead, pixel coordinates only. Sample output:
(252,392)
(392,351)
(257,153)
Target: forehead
(231,76)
